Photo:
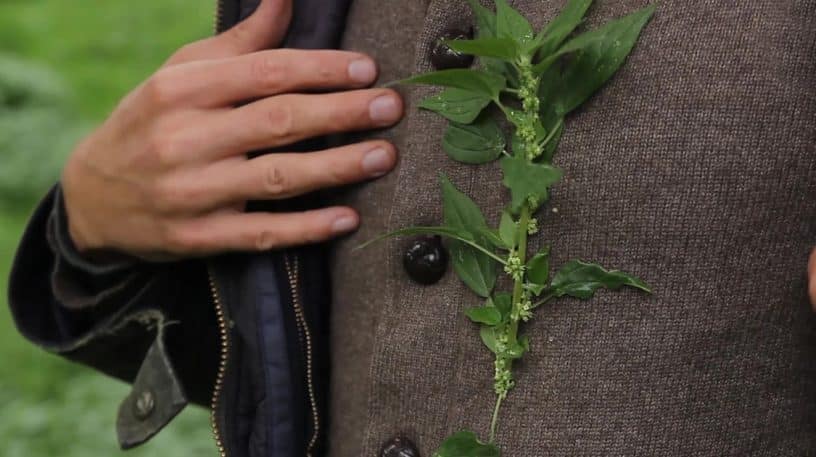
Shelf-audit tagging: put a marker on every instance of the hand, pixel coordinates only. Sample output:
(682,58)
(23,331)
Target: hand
(812,278)
(166,175)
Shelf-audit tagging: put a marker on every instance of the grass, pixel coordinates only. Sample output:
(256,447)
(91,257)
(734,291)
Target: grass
(102,49)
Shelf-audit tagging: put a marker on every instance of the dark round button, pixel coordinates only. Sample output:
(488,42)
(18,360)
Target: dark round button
(143,404)
(443,57)
(399,447)
(426,260)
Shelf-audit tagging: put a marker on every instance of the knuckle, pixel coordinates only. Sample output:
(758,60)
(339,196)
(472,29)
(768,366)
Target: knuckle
(238,35)
(183,53)
(269,72)
(275,181)
(160,89)
(161,149)
(177,239)
(280,120)
(266,240)
(170,198)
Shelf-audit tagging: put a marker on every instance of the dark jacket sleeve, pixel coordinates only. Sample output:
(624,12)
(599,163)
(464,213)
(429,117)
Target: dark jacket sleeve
(149,324)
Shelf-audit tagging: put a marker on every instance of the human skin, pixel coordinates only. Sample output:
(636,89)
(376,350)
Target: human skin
(166,176)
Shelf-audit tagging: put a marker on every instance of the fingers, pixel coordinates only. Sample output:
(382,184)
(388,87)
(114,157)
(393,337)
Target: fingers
(286,119)
(812,278)
(264,29)
(234,231)
(226,82)
(277,176)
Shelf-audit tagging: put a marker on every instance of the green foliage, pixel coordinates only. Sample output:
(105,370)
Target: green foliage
(527,69)
(465,444)
(476,81)
(36,129)
(477,143)
(63,68)
(580,280)
(528,181)
(596,59)
(458,105)
(476,269)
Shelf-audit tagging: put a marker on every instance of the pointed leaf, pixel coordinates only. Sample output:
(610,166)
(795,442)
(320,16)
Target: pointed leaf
(555,125)
(475,268)
(457,234)
(564,89)
(538,268)
(485,20)
(477,143)
(580,280)
(510,23)
(525,179)
(559,28)
(499,48)
(492,237)
(484,315)
(465,444)
(488,335)
(476,81)
(508,229)
(458,105)
(503,301)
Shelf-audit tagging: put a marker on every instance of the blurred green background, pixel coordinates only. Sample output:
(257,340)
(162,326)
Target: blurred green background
(63,66)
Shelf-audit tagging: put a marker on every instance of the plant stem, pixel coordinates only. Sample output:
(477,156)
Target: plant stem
(518,285)
(495,421)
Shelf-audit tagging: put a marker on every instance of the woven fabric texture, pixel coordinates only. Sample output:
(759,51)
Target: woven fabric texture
(694,168)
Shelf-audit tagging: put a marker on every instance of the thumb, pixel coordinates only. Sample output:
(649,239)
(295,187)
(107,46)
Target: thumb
(263,29)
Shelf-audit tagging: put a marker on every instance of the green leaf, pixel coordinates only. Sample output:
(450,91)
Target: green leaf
(580,280)
(475,268)
(508,229)
(516,350)
(559,28)
(503,301)
(499,48)
(480,142)
(488,336)
(510,23)
(465,444)
(555,125)
(538,270)
(458,105)
(600,53)
(493,238)
(525,179)
(485,20)
(460,235)
(477,81)
(487,315)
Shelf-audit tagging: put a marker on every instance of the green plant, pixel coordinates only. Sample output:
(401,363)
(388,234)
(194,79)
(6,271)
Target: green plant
(535,80)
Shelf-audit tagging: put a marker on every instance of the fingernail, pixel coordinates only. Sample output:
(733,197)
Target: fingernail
(344,224)
(362,71)
(384,109)
(377,162)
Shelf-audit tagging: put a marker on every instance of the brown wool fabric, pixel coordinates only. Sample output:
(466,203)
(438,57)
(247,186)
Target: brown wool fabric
(695,168)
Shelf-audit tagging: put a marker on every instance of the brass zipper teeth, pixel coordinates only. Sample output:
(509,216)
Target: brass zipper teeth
(300,316)
(219,16)
(222,365)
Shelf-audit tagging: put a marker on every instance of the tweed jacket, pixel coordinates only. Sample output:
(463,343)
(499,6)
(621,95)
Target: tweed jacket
(694,168)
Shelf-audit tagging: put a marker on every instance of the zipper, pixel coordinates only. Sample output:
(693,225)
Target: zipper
(223,332)
(292,268)
(218,23)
